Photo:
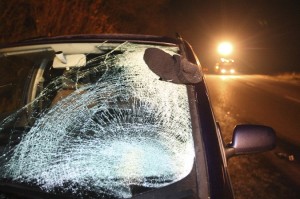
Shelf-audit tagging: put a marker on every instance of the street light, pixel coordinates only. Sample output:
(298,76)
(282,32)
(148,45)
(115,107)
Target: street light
(225,48)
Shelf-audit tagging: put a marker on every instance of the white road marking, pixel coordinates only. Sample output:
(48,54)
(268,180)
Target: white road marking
(250,84)
(4,85)
(292,98)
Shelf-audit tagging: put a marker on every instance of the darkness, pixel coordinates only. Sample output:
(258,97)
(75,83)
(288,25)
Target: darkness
(265,33)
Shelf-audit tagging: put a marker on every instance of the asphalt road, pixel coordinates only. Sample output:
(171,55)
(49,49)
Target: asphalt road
(261,100)
(258,99)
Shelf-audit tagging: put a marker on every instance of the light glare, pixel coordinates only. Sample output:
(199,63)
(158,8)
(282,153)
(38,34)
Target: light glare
(225,48)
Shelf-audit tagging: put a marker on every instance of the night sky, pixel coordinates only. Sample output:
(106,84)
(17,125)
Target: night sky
(265,33)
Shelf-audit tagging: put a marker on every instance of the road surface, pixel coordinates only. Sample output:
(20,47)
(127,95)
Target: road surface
(261,100)
(258,99)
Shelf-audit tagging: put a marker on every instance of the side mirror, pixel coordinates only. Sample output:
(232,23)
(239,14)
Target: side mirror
(249,139)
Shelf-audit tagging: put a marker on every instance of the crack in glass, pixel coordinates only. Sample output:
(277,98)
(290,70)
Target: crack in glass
(102,128)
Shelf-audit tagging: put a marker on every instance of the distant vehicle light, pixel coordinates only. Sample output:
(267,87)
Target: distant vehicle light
(232,71)
(223,71)
(226,60)
(225,48)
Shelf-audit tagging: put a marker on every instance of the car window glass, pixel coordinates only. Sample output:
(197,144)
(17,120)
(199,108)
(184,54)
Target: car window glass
(14,71)
(102,128)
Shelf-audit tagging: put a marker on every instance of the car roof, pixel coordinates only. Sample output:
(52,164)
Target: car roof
(136,38)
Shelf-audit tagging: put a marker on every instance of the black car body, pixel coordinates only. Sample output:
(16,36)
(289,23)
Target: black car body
(86,118)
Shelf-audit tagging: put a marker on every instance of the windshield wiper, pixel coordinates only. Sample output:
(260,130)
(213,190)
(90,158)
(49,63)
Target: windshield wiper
(23,191)
(164,194)
(183,189)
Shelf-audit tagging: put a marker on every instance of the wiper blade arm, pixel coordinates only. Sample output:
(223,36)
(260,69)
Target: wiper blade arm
(24,191)
(161,193)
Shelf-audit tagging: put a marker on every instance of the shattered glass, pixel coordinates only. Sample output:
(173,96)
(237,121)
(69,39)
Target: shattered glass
(103,127)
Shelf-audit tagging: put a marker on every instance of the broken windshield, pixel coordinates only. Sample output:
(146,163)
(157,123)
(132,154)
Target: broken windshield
(102,124)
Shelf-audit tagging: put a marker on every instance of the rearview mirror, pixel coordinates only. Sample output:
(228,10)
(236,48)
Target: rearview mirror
(248,139)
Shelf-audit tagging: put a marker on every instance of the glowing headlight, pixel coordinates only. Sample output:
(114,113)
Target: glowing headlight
(225,48)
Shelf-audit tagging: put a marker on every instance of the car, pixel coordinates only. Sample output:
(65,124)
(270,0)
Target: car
(113,116)
(225,66)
